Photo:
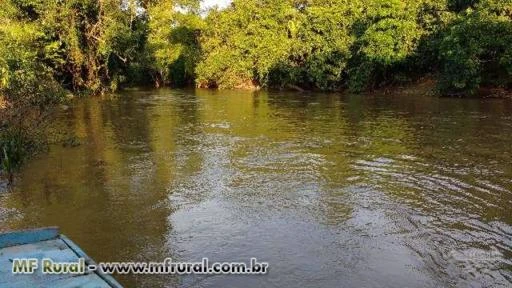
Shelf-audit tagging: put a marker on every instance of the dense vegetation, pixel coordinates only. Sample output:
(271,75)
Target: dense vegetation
(95,46)
(361,44)
(51,48)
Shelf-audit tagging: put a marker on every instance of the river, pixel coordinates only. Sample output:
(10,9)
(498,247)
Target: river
(379,190)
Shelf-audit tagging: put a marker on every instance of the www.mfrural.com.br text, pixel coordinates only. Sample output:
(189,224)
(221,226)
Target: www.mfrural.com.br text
(81,266)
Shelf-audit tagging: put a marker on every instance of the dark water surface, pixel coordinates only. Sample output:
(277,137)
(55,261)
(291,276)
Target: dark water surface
(331,190)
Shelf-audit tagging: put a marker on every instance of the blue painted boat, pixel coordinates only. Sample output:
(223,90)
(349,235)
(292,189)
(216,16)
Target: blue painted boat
(40,244)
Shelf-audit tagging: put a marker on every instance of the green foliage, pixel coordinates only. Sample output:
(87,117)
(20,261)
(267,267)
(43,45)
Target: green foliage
(242,43)
(477,49)
(25,79)
(94,46)
(172,42)
(330,45)
(320,46)
(389,40)
(48,46)
(276,43)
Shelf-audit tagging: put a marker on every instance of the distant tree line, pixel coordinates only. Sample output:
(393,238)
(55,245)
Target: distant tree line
(358,44)
(90,46)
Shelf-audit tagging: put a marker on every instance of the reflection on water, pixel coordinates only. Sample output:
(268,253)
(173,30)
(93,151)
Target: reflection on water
(352,191)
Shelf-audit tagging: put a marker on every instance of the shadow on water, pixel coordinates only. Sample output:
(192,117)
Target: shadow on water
(362,190)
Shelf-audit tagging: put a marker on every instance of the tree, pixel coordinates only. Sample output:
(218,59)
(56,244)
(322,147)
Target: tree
(172,40)
(477,49)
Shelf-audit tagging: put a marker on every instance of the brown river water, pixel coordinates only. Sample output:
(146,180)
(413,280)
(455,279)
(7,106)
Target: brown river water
(332,190)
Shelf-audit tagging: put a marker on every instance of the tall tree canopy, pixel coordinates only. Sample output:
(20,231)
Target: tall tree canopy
(361,44)
(93,46)
(90,45)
